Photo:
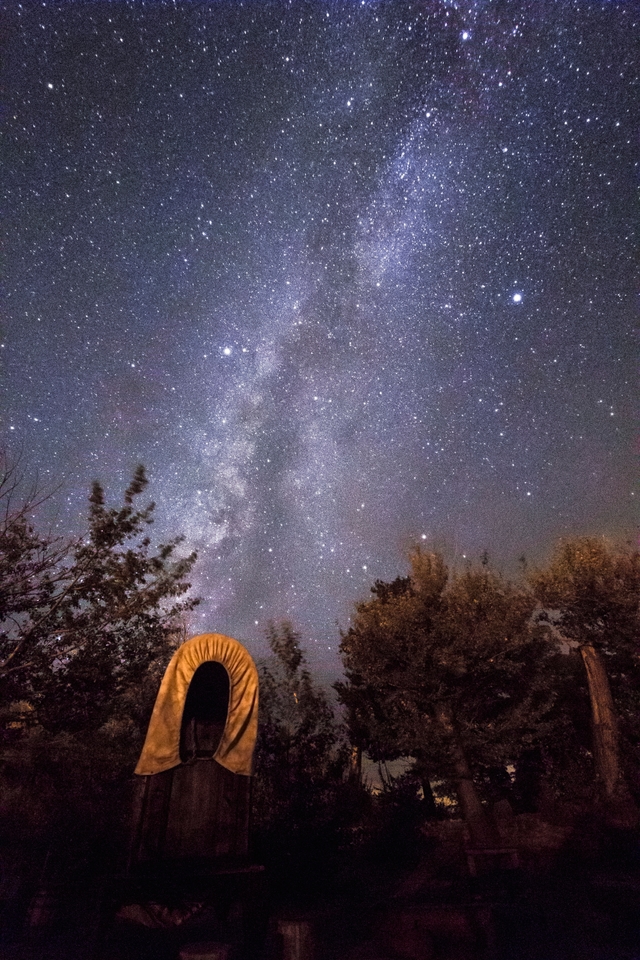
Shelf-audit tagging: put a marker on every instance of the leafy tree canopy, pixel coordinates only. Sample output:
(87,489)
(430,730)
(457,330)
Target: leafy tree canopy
(592,589)
(464,641)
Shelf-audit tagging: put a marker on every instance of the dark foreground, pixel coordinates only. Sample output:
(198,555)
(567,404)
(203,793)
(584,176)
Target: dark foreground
(583,905)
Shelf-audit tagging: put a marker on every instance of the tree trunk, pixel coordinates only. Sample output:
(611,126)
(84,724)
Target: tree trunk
(483,831)
(620,804)
(355,764)
(422,771)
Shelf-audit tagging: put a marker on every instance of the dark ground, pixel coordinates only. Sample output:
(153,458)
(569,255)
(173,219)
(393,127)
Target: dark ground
(585,905)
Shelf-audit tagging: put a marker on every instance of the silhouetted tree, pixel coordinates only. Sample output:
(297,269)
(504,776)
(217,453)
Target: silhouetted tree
(33,570)
(81,622)
(86,630)
(302,797)
(300,743)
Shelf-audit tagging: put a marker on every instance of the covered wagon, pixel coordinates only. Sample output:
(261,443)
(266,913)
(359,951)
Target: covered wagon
(192,799)
(190,880)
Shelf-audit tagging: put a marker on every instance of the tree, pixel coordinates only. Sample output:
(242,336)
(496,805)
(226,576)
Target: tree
(447,669)
(32,569)
(591,593)
(300,795)
(300,743)
(80,622)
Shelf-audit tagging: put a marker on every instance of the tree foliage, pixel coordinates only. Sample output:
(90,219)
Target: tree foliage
(594,589)
(590,592)
(304,803)
(32,569)
(301,747)
(447,668)
(466,640)
(81,621)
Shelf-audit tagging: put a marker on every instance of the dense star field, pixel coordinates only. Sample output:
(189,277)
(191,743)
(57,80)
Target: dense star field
(343,274)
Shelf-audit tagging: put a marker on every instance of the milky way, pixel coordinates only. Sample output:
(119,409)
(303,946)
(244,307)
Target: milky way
(343,275)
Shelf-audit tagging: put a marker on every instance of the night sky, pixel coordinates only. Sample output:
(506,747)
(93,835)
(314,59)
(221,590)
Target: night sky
(343,275)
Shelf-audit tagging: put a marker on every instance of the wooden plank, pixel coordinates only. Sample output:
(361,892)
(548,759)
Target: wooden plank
(208,814)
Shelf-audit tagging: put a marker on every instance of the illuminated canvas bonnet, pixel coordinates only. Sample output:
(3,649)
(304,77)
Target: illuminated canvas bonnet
(161,749)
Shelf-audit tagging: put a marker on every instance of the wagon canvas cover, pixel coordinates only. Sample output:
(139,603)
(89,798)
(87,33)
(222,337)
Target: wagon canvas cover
(161,750)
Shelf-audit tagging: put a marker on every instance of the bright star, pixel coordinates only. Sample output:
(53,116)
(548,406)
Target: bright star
(517,298)
(227,351)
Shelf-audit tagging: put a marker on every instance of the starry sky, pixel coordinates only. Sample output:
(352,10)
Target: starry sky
(345,275)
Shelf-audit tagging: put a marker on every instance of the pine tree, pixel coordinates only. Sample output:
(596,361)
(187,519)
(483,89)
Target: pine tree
(81,622)
(302,799)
